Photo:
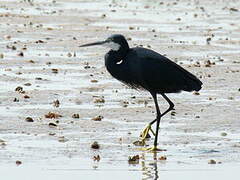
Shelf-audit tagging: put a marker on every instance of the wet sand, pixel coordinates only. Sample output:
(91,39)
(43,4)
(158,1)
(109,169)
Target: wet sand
(39,52)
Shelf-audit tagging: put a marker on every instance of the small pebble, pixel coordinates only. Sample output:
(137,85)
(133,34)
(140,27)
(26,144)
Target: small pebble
(27,84)
(97,118)
(52,134)
(212,161)
(20,54)
(55,71)
(62,139)
(95,145)
(163,158)
(52,125)
(233,9)
(56,103)
(2,143)
(52,115)
(196,93)
(29,119)
(26,97)
(96,158)
(133,159)
(76,116)
(15,100)
(19,89)
(173,113)
(99,100)
(94,81)
(18,162)
(223,134)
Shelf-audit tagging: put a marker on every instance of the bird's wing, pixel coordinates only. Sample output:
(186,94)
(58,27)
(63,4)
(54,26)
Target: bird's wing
(164,76)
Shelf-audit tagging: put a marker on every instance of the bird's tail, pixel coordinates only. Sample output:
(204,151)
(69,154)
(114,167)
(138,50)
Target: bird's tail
(193,83)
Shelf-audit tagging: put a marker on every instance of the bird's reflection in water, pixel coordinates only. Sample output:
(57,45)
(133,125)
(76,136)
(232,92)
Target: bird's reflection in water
(150,168)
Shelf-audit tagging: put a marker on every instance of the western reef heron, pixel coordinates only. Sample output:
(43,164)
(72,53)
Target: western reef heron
(145,69)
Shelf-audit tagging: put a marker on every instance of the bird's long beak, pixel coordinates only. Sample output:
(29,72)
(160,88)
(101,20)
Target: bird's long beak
(94,44)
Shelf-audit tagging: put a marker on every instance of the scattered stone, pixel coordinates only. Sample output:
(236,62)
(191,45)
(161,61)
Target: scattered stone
(69,54)
(26,96)
(18,73)
(95,145)
(31,61)
(223,134)
(11,47)
(96,158)
(196,93)
(208,40)
(18,162)
(133,159)
(2,143)
(97,118)
(76,116)
(29,119)
(38,78)
(139,143)
(15,100)
(99,100)
(19,89)
(197,64)
(7,37)
(56,103)
(62,139)
(233,9)
(94,81)
(39,41)
(173,113)
(27,84)
(52,115)
(52,134)
(55,71)
(163,158)
(52,124)
(208,63)
(20,54)
(212,161)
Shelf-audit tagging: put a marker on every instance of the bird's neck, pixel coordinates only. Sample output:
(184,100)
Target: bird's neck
(120,54)
(113,61)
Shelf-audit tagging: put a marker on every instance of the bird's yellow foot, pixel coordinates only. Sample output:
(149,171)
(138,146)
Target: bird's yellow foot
(139,143)
(145,133)
(152,149)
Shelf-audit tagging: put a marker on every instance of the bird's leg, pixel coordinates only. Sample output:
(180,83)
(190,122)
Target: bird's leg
(158,119)
(145,133)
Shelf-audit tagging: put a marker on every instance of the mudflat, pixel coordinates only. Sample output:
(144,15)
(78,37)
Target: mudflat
(57,99)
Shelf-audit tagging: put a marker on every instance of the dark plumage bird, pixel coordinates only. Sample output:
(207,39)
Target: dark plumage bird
(144,69)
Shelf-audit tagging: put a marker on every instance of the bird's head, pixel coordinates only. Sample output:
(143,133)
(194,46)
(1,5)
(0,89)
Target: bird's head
(114,42)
